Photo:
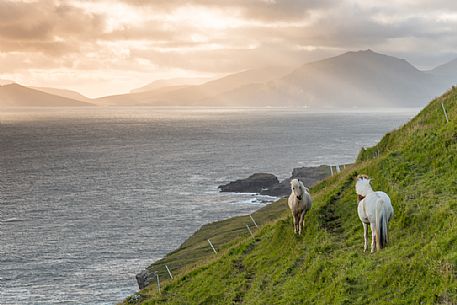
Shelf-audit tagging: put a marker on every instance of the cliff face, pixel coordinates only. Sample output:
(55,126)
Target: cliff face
(416,166)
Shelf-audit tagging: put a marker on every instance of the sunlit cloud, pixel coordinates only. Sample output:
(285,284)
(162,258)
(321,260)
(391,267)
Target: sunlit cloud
(111,46)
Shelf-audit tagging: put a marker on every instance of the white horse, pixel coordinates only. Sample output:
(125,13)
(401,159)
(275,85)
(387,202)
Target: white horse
(299,203)
(375,210)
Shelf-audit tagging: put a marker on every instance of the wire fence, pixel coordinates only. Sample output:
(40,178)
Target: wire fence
(213,247)
(248,228)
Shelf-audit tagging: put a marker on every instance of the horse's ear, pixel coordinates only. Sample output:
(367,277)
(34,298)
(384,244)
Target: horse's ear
(362,176)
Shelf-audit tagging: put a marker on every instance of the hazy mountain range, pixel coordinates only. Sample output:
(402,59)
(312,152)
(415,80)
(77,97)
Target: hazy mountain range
(361,79)
(14,95)
(174,82)
(199,95)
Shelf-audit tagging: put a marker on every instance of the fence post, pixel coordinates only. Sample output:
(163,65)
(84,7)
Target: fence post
(337,167)
(253,221)
(247,226)
(169,272)
(445,113)
(331,170)
(212,247)
(158,281)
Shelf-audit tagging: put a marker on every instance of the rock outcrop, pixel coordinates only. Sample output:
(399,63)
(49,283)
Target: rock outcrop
(268,184)
(253,184)
(308,175)
(144,278)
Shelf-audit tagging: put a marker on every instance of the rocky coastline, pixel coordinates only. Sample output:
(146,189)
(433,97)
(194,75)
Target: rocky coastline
(260,183)
(269,184)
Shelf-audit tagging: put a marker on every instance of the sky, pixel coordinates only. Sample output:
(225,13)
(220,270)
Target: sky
(109,47)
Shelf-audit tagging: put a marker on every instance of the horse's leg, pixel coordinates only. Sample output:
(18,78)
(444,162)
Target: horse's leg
(293,219)
(295,222)
(373,237)
(365,236)
(300,223)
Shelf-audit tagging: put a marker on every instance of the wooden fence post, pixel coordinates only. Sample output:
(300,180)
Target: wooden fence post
(253,221)
(212,247)
(158,281)
(169,272)
(445,113)
(247,226)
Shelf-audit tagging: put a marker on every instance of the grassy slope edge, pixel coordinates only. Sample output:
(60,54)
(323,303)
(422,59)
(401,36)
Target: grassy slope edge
(417,167)
(223,234)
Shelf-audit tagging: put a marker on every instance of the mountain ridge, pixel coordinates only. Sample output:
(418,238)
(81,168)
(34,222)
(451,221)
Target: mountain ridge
(361,79)
(173,82)
(191,95)
(71,94)
(15,95)
(354,79)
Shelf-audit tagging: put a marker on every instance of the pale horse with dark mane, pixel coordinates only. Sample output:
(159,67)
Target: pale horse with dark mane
(299,203)
(375,209)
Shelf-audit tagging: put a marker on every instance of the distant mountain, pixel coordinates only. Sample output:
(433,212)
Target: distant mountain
(64,93)
(446,74)
(362,79)
(194,95)
(449,68)
(14,95)
(353,79)
(170,83)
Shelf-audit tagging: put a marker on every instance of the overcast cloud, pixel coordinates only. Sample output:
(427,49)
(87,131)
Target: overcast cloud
(108,47)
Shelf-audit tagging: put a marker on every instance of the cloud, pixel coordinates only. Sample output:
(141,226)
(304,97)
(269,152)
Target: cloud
(154,39)
(266,10)
(45,26)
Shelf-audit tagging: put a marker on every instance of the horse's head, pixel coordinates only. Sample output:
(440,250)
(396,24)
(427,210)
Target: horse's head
(362,186)
(362,176)
(297,188)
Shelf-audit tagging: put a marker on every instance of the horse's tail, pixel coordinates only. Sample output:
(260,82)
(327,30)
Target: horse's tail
(381,225)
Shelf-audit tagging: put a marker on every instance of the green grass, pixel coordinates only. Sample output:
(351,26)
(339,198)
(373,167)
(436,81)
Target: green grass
(416,166)
(223,234)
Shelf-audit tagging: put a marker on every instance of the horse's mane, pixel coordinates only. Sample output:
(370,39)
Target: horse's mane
(296,182)
(362,185)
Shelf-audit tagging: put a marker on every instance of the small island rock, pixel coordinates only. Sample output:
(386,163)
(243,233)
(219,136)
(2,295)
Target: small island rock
(253,184)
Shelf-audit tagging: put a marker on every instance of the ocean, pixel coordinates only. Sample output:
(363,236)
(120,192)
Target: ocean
(90,197)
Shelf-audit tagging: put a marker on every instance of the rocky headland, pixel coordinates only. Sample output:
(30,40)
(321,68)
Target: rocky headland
(269,184)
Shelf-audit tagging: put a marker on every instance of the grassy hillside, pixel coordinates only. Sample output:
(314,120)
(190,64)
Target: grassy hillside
(417,166)
(223,234)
